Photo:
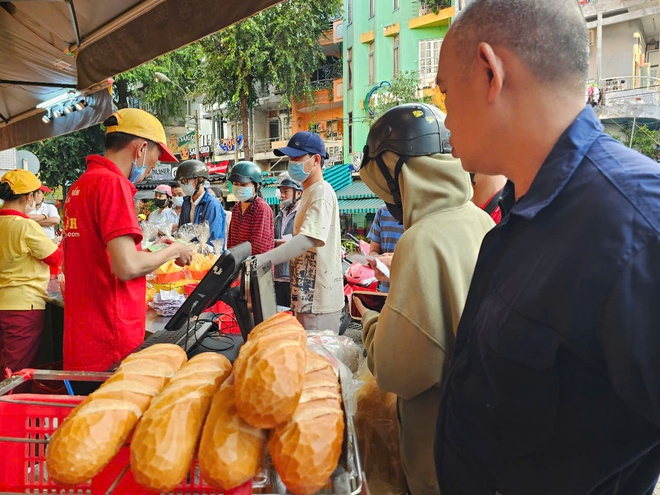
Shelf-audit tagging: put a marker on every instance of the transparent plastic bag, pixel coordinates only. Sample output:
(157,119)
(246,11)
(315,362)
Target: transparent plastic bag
(187,232)
(377,430)
(149,234)
(165,229)
(341,347)
(203,235)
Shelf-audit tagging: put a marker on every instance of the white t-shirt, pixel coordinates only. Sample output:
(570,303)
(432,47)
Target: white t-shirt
(50,211)
(167,216)
(316,276)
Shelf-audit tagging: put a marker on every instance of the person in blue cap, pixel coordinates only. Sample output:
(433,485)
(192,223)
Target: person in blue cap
(317,296)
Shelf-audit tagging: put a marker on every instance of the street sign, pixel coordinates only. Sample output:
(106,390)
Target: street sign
(27,161)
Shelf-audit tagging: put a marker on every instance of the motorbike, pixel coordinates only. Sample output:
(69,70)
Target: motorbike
(358,276)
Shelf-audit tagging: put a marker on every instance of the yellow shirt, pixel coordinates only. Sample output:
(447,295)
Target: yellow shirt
(23,276)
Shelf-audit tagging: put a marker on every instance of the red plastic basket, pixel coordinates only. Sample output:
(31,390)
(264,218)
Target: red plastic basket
(26,423)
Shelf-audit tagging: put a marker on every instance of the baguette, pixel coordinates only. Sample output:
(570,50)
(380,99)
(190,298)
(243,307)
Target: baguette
(269,371)
(231,451)
(305,450)
(99,426)
(164,441)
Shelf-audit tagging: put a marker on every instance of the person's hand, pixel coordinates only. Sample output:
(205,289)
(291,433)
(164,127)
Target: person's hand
(184,253)
(386,259)
(279,242)
(359,305)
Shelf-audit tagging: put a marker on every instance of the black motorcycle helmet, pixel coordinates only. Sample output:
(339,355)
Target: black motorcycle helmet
(410,129)
(191,169)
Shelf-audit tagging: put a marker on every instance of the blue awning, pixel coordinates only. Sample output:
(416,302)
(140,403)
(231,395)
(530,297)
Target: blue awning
(268,193)
(338,176)
(356,190)
(369,205)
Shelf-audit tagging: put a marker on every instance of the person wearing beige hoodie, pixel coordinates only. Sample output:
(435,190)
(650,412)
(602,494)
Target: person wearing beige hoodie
(410,341)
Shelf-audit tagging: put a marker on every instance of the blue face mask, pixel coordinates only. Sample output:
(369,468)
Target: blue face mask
(243,193)
(138,173)
(297,170)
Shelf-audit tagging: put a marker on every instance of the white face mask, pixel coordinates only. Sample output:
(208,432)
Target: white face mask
(177,201)
(188,189)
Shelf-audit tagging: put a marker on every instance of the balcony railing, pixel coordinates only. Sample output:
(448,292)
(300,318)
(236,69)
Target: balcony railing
(323,77)
(423,7)
(625,96)
(266,145)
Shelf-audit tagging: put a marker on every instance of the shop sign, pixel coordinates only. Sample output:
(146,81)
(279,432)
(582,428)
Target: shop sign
(219,167)
(162,172)
(204,151)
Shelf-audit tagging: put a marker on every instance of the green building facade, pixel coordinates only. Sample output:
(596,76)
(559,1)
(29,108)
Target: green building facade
(382,38)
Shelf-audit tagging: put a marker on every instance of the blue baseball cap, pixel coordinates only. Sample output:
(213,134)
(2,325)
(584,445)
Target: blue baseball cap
(301,143)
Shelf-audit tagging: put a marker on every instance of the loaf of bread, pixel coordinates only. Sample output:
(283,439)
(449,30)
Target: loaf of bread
(95,430)
(269,371)
(231,451)
(305,450)
(164,441)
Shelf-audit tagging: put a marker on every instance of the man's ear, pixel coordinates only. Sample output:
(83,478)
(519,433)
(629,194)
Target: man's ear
(491,66)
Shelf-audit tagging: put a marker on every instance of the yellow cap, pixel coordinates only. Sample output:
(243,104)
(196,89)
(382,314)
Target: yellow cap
(139,123)
(21,181)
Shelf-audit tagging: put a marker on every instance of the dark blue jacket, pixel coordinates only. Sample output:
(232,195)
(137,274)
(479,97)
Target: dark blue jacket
(210,210)
(554,385)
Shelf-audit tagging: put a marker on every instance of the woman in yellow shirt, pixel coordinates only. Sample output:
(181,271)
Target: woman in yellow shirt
(25,254)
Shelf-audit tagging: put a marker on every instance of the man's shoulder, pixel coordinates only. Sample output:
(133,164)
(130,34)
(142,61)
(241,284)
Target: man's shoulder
(634,179)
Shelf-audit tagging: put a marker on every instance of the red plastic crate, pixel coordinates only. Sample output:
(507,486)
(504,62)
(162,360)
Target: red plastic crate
(32,419)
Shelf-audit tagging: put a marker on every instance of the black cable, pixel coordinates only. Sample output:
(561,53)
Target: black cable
(220,336)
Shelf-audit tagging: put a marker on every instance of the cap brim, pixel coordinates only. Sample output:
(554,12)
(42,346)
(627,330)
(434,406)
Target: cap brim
(45,189)
(165,154)
(288,151)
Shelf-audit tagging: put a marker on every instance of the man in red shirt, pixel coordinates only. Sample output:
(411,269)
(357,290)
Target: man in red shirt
(105,268)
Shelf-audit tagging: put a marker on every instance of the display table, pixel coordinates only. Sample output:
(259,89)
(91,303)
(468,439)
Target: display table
(51,348)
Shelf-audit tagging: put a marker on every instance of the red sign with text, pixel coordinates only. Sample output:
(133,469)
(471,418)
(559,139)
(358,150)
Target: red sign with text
(219,167)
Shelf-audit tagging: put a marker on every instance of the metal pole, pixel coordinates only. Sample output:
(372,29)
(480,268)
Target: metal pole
(198,155)
(632,132)
(599,46)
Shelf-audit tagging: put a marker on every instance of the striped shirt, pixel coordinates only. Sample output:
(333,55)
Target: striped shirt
(254,225)
(386,231)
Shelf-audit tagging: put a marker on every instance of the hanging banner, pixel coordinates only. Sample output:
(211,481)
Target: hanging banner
(228,145)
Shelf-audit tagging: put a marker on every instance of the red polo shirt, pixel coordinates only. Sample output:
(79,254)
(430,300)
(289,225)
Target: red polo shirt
(104,318)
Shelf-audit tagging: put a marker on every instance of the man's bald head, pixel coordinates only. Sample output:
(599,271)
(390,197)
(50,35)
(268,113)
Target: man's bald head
(549,37)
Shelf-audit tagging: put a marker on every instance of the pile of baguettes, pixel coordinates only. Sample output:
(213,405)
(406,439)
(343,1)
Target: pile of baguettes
(279,395)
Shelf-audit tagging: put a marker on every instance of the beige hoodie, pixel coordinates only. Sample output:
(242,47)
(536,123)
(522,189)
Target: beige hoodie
(409,343)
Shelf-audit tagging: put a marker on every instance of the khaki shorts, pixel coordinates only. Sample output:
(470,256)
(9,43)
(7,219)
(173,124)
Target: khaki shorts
(326,321)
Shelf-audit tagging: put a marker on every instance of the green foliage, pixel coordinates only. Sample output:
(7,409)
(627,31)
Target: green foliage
(644,140)
(63,158)
(405,89)
(183,67)
(437,5)
(279,46)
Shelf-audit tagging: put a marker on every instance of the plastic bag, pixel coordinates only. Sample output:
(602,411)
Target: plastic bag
(187,232)
(149,234)
(377,430)
(340,346)
(165,229)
